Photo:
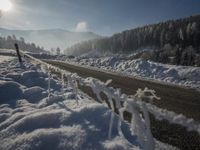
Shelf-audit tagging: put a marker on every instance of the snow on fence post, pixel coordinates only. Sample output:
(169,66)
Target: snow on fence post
(143,97)
(75,88)
(150,144)
(49,83)
(71,82)
(63,82)
(111,125)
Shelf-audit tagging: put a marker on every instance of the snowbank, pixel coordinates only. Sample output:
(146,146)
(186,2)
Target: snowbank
(179,75)
(30,118)
(5,58)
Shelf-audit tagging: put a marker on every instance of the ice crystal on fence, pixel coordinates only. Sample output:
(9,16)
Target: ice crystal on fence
(49,84)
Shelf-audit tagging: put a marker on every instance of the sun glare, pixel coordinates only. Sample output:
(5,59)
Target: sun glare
(5,5)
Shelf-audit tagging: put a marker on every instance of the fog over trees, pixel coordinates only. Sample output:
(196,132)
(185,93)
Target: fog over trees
(9,41)
(50,38)
(174,41)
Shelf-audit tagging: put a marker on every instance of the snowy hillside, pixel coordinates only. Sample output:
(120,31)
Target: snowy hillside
(38,112)
(179,75)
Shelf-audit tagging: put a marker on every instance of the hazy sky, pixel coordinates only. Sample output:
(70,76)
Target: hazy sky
(104,17)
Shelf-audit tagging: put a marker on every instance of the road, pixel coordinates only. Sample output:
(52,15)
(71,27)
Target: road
(174,98)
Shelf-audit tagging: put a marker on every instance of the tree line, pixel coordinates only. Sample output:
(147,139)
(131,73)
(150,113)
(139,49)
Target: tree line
(9,41)
(173,41)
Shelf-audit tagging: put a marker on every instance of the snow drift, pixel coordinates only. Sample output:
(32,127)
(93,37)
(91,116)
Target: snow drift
(179,75)
(45,115)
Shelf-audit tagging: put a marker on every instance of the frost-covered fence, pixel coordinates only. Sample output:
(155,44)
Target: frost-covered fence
(138,105)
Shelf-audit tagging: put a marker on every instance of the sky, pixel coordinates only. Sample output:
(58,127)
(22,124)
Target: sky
(104,17)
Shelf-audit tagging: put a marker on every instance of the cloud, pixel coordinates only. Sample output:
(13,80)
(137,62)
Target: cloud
(82,27)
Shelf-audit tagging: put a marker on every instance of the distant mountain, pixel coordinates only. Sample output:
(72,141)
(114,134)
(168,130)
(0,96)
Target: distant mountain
(50,38)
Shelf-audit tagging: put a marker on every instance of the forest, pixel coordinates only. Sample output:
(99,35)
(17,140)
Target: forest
(9,41)
(173,42)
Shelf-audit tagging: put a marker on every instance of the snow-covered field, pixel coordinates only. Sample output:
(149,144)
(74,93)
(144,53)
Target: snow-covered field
(5,58)
(31,119)
(179,75)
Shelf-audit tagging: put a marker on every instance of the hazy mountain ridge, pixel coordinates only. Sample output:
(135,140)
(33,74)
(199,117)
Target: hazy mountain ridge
(50,38)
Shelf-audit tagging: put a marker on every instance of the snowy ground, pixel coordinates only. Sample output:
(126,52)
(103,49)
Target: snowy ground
(179,75)
(30,120)
(5,58)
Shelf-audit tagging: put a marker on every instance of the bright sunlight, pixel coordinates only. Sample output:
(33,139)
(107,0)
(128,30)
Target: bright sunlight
(5,5)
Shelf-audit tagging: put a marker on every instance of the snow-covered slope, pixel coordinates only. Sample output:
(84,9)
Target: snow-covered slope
(32,119)
(180,75)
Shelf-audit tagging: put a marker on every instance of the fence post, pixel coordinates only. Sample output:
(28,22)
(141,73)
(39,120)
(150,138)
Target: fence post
(18,54)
